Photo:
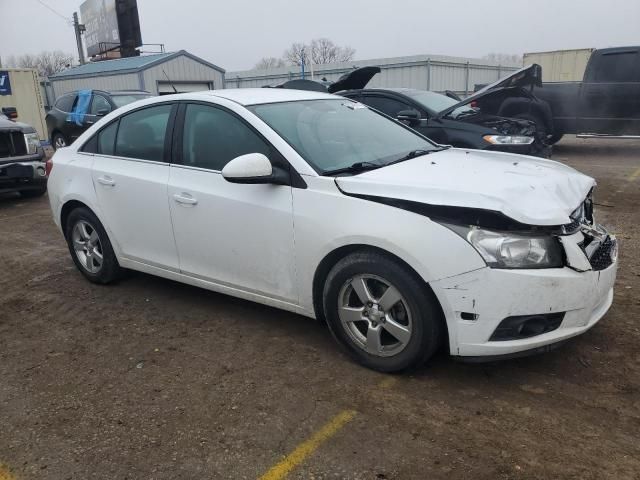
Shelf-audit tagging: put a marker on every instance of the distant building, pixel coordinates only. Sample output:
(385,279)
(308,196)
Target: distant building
(157,74)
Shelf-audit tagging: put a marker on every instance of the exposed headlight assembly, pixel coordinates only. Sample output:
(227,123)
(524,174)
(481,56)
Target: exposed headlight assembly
(508,139)
(513,250)
(32,141)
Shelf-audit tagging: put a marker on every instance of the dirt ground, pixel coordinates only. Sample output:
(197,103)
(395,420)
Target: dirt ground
(151,379)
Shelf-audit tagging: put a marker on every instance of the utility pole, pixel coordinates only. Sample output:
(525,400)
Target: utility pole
(79,29)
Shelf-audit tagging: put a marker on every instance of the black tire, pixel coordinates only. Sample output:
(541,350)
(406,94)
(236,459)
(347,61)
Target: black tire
(110,269)
(58,140)
(541,127)
(33,193)
(426,322)
(555,138)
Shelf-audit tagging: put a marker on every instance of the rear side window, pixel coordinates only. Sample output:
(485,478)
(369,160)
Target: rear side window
(65,103)
(107,139)
(213,137)
(618,67)
(142,133)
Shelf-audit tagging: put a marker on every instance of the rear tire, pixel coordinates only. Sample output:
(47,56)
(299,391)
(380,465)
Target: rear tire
(58,140)
(400,324)
(33,193)
(90,247)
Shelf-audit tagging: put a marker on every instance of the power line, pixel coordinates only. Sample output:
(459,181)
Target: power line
(51,9)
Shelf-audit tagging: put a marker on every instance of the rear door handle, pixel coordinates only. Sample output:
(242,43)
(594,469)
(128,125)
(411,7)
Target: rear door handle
(108,181)
(185,199)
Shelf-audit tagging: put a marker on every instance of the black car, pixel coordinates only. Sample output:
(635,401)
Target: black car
(443,118)
(75,112)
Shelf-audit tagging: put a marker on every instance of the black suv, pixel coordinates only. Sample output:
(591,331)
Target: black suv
(22,165)
(75,112)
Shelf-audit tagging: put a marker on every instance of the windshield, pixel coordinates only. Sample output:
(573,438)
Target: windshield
(436,102)
(122,100)
(335,134)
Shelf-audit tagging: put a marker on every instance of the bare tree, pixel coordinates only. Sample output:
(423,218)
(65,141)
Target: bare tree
(46,63)
(269,62)
(504,58)
(318,52)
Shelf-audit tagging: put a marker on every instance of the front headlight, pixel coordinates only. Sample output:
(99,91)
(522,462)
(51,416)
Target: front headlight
(508,139)
(513,250)
(32,141)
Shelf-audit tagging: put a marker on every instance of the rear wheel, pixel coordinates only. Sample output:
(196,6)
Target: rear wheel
(58,140)
(384,316)
(90,247)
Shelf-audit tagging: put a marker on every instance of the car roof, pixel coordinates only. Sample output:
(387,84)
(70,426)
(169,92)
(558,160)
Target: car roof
(383,90)
(253,96)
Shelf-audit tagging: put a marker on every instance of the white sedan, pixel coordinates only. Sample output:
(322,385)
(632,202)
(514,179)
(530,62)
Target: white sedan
(321,206)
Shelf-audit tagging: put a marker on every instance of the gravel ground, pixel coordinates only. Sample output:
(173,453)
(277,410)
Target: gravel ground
(150,379)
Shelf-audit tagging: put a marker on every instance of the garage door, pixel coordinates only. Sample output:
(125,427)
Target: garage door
(166,88)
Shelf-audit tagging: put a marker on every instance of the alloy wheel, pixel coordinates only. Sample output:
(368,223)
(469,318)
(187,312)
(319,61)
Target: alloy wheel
(60,142)
(375,315)
(87,246)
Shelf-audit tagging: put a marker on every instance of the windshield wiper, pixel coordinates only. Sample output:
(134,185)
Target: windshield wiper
(413,154)
(354,168)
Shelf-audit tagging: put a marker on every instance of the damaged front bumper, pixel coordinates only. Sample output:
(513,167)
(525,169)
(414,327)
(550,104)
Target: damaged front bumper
(499,313)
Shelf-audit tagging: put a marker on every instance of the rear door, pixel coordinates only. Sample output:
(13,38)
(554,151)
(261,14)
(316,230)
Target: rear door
(610,94)
(236,235)
(130,175)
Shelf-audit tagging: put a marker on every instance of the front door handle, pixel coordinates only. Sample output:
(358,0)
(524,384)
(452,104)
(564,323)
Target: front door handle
(108,181)
(185,199)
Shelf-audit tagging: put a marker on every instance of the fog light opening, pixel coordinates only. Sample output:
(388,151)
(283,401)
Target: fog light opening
(526,326)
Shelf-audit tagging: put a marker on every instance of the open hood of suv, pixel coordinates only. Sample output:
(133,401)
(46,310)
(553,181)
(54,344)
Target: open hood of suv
(354,80)
(530,191)
(523,78)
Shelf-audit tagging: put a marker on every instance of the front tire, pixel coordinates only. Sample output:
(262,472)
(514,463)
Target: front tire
(90,247)
(384,315)
(58,140)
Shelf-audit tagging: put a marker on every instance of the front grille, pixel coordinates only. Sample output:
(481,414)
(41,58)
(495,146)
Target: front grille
(582,214)
(12,144)
(602,258)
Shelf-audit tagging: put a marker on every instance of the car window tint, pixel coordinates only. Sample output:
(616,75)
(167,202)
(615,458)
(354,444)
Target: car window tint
(386,105)
(617,67)
(141,133)
(65,103)
(213,137)
(99,104)
(106,139)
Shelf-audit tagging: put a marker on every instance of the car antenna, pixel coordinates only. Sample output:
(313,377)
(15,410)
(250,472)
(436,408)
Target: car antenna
(170,82)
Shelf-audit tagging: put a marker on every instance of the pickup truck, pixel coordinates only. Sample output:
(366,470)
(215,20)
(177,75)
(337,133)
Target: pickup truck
(22,165)
(606,103)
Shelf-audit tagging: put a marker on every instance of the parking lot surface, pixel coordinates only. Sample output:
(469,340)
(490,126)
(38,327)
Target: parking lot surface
(151,379)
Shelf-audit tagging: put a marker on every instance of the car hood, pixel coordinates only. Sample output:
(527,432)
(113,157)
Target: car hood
(528,190)
(525,77)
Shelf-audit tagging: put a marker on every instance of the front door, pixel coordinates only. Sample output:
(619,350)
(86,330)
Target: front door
(239,236)
(130,175)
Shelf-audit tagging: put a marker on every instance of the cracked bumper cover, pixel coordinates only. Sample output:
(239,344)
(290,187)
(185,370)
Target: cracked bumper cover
(493,294)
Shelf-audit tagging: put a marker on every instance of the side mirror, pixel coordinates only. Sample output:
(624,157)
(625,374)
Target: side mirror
(254,168)
(411,117)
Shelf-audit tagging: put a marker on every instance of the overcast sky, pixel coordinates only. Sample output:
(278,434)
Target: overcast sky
(235,34)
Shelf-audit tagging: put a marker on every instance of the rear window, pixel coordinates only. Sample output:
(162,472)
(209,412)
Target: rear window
(618,67)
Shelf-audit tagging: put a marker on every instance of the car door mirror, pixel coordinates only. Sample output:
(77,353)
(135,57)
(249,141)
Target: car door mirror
(254,168)
(410,117)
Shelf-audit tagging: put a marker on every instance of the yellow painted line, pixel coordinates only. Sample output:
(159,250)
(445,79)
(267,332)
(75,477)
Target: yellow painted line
(4,473)
(387,383)
(306,448)
(634,175)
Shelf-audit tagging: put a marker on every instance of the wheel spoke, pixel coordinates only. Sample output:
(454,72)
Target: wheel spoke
(93,238)
(374,344)
(390,297)
(98,257)
(399,332)
(359,284)
(82,229)
(350,314)
(78,244)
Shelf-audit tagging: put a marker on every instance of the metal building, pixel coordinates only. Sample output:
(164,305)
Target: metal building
(428,72)
(156,73)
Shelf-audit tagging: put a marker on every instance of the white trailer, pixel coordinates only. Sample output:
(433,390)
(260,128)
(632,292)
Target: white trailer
(560,65)
(26,96)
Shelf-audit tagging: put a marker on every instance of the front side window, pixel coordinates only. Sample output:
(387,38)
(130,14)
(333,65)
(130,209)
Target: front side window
(65,104)
(121,100)
(142,133)
(99,105)
(213,137)
(334,134)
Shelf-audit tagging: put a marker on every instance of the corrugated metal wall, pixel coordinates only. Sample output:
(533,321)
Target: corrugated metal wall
(427,72)
(181,69)
(26,97)
(126,81)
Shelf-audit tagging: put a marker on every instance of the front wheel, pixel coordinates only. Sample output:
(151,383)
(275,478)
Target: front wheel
(58,140)
(381,313)
(90,247)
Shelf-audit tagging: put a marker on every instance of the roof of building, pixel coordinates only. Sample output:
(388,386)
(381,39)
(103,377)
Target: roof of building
(127,65)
